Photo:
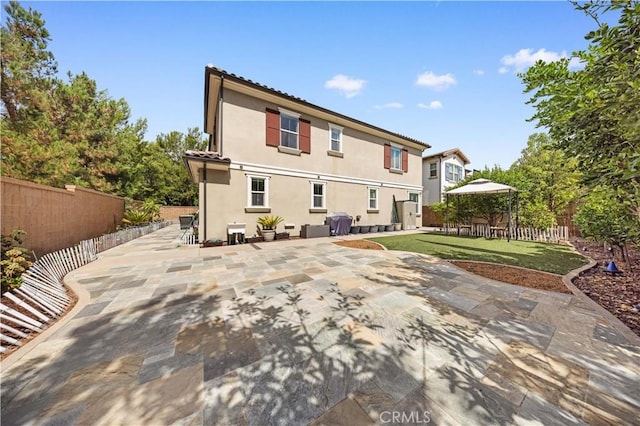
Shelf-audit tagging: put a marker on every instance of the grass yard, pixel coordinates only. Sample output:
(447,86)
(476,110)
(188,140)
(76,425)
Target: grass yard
(555,258)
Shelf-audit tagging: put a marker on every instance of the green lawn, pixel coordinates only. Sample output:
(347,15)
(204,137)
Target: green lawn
(555,258)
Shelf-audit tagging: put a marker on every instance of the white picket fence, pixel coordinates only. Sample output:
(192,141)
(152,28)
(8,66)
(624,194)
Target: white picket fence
(555,234)
(42,297)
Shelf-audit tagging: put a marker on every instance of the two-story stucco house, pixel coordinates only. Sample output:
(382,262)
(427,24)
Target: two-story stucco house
(441,171)
(271,153)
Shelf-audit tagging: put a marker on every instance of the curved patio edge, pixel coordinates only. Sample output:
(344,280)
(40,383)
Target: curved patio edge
(613,320)
(83,300)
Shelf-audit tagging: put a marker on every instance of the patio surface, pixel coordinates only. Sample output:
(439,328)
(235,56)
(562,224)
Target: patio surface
(304,331)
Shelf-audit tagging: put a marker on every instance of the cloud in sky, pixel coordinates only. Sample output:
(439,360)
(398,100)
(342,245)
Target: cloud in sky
(391,105)
(436,82)
(431,105)
(525,58)
(478,72)
(346,85)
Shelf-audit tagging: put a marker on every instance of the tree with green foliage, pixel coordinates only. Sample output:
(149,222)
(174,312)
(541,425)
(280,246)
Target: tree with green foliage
(547,182)
(593,113)
(603,217)
(56,132)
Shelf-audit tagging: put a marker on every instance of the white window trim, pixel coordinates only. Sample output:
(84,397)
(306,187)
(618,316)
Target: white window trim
(419,206)
(396,146)
(266,189)
(289,113)
(339,128)
(295,116)
(436,175)
(369,188)
(324,194)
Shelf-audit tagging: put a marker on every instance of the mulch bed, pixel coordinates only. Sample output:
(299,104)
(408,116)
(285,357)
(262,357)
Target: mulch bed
(517,276)
(619,294)
(361,244)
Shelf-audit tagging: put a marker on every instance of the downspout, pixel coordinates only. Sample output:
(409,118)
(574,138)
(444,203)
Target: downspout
(204,183)
(220,109)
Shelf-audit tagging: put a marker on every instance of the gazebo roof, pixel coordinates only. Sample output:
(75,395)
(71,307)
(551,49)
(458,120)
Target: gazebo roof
(482,186)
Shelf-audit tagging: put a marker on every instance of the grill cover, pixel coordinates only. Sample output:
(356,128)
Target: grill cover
(339,223)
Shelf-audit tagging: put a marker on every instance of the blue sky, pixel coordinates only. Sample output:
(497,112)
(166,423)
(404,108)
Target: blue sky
(441,72)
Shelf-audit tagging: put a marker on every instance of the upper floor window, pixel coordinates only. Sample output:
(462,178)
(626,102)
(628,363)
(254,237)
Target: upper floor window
(453,172)
(396,158)
(288,131)
(433,170)
(335,136)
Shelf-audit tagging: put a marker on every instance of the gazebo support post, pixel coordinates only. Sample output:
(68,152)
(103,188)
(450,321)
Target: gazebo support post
(517,213)
(446,215)
(458,213)
(509,219)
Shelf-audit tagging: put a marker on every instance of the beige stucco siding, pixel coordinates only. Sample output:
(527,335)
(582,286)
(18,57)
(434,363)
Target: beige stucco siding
(244,141)
(289,197)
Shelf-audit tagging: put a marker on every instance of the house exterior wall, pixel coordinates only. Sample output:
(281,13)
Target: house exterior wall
(347,177)
(434,188)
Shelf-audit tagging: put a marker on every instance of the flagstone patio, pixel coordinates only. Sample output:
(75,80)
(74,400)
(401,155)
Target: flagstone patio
(308,332)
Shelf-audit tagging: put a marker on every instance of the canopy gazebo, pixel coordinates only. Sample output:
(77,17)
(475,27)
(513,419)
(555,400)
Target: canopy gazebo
(484,187)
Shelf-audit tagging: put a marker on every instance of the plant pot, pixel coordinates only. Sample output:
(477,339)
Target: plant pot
(268,234)
(211,243)
(354,230)
(388,228)
(252,240)
(397,226)
(282,236)
(364,229)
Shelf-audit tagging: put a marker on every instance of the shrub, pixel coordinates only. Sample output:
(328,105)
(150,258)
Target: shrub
(15,260)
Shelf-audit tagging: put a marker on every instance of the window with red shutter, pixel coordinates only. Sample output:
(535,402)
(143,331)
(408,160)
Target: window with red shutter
(405,160)
(387,156)
(273,128)
(305,136)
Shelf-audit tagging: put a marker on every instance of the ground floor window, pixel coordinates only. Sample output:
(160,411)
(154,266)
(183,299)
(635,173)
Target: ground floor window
(415,196)
(318,195)
(257,191)
(373,198)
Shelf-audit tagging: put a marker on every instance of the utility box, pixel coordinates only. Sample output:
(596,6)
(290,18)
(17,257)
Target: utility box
(407,214)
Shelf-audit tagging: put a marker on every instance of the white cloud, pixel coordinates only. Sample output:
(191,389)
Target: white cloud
(431,105)
(478,72)
(525,58)
(436,82)
(392,105)
(346,85)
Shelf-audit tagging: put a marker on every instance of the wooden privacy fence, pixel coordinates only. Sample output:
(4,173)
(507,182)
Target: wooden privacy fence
(42,297)
(554,234)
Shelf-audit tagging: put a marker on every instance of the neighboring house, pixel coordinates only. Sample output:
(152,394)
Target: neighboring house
(271,153)
(441,171)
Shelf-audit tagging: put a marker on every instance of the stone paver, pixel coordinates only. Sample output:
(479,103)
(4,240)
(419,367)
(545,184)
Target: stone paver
(307,332)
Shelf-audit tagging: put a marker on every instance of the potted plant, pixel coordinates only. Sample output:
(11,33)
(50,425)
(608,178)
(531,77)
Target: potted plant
(269,224)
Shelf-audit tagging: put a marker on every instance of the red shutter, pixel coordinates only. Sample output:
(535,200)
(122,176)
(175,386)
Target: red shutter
(405,160)
(387,156)
(273,128)
(305,136)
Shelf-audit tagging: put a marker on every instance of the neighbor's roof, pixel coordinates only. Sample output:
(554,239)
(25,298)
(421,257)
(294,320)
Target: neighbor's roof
(210,69)
(448,153)
(482,186)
